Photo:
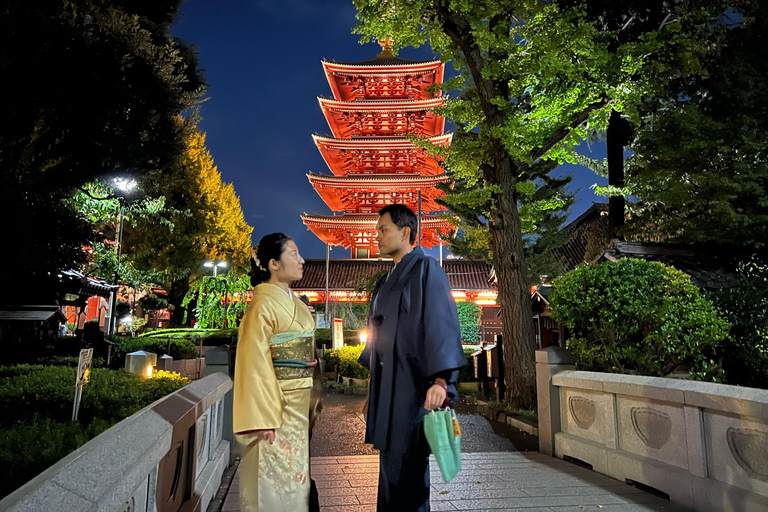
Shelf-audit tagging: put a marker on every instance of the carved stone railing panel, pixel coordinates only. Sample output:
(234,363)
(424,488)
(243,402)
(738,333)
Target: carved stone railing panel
(703,444)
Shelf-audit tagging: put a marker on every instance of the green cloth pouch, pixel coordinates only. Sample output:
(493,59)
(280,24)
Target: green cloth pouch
(444,437)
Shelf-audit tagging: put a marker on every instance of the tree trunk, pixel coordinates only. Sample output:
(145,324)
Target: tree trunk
(617,137)
(175,296)
(514,292)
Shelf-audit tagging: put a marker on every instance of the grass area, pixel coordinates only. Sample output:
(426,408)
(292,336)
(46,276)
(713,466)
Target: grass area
(511,410)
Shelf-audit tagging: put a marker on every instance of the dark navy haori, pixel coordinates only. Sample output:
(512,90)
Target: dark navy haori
(415,338)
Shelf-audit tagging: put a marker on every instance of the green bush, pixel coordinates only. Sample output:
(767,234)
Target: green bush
(324,337)
(467,374)
(209,337)
(96,362)
(469,321)
(36,407)
(346,360)
(180,348)
(636,316)
(745,306)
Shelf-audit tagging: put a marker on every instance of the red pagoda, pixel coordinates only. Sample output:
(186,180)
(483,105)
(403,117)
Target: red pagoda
(375,105)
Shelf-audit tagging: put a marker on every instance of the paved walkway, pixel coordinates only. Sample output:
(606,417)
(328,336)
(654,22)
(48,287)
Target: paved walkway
(498,482)
(497,473)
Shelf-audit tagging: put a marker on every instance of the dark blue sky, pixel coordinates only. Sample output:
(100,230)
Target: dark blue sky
(262,63)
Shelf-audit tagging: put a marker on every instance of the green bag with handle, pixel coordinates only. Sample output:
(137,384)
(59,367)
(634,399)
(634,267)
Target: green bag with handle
(444,437)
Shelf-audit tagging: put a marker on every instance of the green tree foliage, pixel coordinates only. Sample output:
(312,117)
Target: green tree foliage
(745,306)
(219,301)
(700,169)
(469,321)
(205,223)
(532,79)
(636,316)
(97,89)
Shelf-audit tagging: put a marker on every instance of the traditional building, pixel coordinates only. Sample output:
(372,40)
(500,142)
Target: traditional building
(376,104)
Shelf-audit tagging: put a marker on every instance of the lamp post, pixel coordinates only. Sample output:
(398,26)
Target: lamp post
(124,185)
(215,266)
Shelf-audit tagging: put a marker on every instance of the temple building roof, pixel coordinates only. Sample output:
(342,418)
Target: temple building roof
(379,155)
(383,118)
(348,274)
(370,193)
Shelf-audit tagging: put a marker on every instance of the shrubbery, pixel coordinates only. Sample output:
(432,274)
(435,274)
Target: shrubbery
(745,306)
(344,361)
(467,374)
(325,337)
(36,407)
(180,348)
(636,316)
(469,321)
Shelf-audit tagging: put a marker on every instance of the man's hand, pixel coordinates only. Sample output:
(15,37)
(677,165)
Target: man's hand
(436,395)
(265,434)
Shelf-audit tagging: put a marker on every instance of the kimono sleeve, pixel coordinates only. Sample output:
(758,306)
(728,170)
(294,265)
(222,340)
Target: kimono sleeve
(258,401)
(442,336)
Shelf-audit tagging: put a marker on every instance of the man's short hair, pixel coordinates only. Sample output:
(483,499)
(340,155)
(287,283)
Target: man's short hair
(402,216)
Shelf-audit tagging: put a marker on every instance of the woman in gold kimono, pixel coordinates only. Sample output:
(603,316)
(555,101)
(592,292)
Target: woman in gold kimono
(274,366)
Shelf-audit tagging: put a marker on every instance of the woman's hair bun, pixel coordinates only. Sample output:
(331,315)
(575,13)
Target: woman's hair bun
(270,248)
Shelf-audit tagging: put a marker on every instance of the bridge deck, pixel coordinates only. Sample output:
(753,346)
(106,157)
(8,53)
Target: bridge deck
(501,481)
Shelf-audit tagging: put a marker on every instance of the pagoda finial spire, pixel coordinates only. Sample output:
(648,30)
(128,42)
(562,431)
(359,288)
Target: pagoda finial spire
(386,48)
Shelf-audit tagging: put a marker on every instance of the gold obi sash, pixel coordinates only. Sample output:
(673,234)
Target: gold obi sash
(293,354)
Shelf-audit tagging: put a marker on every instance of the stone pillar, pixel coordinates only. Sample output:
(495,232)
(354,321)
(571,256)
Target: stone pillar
(217,360)
(550,361)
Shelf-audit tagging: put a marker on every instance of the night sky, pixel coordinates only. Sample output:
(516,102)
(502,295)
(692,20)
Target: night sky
(261,59)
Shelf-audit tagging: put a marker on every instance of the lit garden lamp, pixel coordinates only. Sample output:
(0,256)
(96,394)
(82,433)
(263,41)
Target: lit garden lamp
(141,363)
(125,186)
(215,266)
(363,337)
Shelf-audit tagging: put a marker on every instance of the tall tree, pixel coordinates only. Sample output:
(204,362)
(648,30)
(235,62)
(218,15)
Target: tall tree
(96,88)
(532,75)
(206,223)
(699,168)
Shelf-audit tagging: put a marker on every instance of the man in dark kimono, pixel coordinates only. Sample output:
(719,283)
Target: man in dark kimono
(414,355)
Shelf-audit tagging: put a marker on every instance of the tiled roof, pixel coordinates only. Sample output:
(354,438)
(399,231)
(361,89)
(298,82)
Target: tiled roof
(31,314)
(469,275)
(385,61)
(587,231)
(709,266)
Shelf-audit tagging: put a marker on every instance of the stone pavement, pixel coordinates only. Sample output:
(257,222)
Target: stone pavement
(498,482)
(498,473)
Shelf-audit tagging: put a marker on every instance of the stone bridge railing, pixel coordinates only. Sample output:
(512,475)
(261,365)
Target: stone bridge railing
(168,457)
(705,445)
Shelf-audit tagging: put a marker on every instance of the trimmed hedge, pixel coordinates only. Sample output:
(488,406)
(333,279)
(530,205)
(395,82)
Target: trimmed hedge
(324,337)
(344,361)
(209,337)
(180,348)
(36,407)
(469,321)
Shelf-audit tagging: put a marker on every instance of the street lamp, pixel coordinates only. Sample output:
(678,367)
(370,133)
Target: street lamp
(124,185)
(215,266)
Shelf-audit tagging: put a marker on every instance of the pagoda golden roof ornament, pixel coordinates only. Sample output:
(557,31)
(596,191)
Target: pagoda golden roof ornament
(386,48)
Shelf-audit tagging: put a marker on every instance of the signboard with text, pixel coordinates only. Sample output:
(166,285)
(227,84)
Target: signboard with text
(338,333)
(84,366)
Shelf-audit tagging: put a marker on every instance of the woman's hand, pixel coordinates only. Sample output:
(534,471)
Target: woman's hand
(267,434)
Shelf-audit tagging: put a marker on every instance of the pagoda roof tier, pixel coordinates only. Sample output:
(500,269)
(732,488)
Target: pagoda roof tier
(359,231)
(368,194)
(383,118)
(383,78)
(379,155)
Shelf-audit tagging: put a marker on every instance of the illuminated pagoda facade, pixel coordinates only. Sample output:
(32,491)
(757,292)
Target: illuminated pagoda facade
(376,104)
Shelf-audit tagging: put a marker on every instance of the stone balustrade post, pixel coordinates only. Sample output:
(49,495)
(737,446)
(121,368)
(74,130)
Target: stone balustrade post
(550,361)
(217,360)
